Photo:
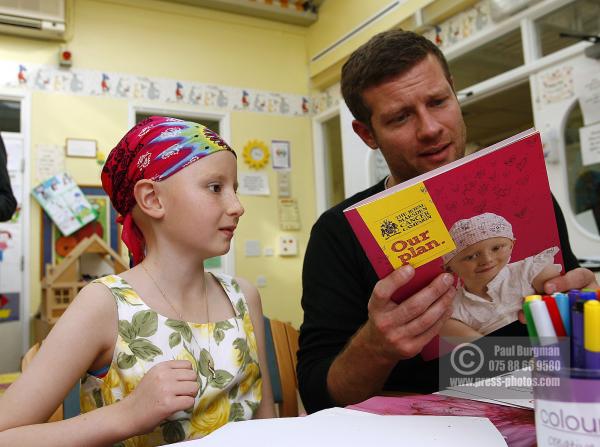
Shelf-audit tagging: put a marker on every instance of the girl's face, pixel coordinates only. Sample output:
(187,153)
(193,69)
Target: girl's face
(479,263)
(201,206)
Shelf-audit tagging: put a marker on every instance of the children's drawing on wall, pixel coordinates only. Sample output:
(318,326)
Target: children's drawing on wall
(9,307)
(22,75)
(178,91)
(56,245)
(5,237)
(64,244)
(104,83)
(556,85)
(65,203)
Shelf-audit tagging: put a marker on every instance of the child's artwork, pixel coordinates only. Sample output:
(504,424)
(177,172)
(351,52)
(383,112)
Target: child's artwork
(9,307)
(65,203)
(56,246)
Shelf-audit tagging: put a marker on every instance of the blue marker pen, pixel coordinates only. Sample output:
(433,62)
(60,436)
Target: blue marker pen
(587,296)
(573,295)
(562,302)
(577,351)
(591,337)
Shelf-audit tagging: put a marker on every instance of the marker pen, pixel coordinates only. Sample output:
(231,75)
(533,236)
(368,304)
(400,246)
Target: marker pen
(596,291)
(529,321)
(543,323)
(577,351)
(533,298)
(591,335)
(555,317)
(562,302)
(573,295)
(587,295)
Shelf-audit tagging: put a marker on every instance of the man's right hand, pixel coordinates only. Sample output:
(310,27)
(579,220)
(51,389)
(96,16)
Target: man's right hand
(400,331)
(392,332)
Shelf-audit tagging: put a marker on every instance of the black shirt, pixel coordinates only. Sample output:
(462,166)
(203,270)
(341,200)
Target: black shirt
(338,280)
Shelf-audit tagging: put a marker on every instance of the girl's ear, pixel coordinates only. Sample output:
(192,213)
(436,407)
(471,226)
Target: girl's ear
(146,193)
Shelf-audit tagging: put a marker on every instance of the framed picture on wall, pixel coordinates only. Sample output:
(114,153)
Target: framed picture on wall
(55,246)
(77,147)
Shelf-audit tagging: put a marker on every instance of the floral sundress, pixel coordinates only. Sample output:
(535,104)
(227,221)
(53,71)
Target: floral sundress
(226,363)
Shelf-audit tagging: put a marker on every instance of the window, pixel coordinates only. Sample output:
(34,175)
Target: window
(488,60)
(62,296)
(10,116)
(583,181)
(579,17)
(498,116)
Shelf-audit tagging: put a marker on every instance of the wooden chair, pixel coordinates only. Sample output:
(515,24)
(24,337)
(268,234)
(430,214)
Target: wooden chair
(282,348)
(70,406)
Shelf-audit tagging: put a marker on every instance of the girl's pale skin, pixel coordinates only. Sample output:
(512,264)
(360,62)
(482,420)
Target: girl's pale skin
(477,265)
(185,219)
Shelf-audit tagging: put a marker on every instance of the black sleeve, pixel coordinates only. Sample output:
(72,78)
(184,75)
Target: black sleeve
(8,203)
(569,258)
(336,288)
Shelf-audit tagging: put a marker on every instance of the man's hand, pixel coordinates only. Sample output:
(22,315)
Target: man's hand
(393,332)
(400,331)
(578,278)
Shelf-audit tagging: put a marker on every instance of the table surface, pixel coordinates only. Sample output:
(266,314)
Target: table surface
(517,425)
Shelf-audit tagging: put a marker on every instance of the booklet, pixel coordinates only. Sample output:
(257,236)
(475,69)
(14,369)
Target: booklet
(488,218)
(65,203)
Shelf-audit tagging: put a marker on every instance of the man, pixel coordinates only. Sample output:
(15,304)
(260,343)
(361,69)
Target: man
(355,342)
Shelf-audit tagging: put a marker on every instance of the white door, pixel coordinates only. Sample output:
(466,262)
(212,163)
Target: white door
(12,278)
(363,166)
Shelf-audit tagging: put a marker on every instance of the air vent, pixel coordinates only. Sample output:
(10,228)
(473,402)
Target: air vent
(44,19)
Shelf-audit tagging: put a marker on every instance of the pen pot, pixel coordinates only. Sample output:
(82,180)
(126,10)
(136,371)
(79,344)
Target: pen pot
(567,406)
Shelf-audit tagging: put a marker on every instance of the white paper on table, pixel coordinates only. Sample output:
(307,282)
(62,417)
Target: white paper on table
(587,89)
(589,138)
(338,411)
(512,395)
(350,430)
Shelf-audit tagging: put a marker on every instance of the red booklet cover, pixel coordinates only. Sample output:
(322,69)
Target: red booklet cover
(433,221)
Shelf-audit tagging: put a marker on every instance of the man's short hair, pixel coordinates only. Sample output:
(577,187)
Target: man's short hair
(385,55)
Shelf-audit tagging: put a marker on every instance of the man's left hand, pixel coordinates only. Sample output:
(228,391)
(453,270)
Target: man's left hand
(578,278)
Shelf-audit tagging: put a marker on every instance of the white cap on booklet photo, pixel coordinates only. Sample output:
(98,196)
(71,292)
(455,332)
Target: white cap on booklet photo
(466,232)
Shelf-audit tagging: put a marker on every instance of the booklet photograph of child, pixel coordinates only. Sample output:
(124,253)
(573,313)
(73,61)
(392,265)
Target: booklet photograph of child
(490,288)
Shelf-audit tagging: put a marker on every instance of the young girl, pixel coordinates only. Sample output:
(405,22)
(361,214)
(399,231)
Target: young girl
(166,352)
(491,290)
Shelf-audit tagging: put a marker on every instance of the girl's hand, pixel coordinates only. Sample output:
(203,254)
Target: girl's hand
(165,389)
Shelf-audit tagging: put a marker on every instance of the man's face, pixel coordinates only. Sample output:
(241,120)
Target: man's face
(416,121)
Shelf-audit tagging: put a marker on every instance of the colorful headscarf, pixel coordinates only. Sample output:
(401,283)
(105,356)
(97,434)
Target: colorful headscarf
(154,149)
